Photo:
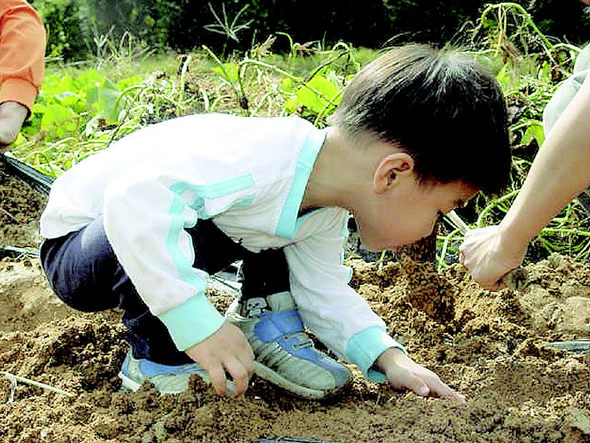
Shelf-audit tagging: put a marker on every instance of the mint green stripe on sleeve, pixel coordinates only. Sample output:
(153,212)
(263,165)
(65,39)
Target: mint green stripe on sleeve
(184,264)
(366,346)
(196,319)
(192,322)
(286,226)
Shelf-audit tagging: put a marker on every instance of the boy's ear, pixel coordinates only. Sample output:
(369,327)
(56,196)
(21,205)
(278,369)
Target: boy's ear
(391,170)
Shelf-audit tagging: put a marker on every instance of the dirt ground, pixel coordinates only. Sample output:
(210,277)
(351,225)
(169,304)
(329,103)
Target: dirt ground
(20,207)
(489,346)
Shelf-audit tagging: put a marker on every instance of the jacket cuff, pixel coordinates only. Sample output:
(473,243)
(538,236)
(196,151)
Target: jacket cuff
(18,90)
(366,346)
(192,322)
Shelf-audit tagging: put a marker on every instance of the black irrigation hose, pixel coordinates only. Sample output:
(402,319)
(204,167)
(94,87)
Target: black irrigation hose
(38,181)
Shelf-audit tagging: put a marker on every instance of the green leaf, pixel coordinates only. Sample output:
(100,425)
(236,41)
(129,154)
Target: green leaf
(319,94)
(229,72)
(102,99)
(89,79)
(289,85)
(291,105)
(503,79)
(534,131)
(544,73)
(59,120)
(128,82)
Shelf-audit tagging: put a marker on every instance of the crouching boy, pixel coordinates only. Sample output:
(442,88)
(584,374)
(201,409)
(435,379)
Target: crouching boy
(142,224)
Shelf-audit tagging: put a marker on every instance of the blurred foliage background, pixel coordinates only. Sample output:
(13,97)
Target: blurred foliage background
(114,67)
(81,28)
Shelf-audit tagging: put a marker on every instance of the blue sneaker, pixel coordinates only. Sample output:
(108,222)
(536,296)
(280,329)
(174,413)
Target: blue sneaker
(167,379)
(284,354)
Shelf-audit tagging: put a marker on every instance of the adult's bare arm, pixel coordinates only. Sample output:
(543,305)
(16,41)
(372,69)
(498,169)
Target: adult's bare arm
(559,173)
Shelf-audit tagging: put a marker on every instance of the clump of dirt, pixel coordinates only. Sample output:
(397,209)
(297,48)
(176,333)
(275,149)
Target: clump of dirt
(20,209)
(488,345)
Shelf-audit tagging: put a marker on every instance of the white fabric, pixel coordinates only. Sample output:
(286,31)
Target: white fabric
(130,185)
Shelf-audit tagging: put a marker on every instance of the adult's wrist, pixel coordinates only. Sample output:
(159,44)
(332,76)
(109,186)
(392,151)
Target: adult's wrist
(512,242)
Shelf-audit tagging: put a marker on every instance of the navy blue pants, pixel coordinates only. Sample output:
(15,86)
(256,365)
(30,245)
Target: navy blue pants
(84,272)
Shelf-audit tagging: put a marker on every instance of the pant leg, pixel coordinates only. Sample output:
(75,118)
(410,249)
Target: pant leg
(84,272)
(264,273)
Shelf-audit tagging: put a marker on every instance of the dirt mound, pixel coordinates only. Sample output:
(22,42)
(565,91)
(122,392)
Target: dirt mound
(489,346)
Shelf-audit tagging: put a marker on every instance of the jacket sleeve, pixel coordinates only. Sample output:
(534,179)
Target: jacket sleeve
(329,307)
(146,214)
(22,51)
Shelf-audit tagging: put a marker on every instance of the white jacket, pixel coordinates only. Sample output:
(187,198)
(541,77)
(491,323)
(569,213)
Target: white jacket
(249,176)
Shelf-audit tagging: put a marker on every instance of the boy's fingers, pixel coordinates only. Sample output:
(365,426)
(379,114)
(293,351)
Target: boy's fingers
(239,374)
(424,385)
(420,388)
(248,364)
(218,379)
(242,348)
(247,358)
(440,389)
(408,381)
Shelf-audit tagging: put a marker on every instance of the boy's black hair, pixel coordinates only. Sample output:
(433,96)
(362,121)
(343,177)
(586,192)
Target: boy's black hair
(440,107)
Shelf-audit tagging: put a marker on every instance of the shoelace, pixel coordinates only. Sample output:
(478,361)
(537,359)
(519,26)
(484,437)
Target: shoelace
(304,340)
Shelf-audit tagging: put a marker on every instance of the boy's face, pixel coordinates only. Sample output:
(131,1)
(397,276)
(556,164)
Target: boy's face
(408,212)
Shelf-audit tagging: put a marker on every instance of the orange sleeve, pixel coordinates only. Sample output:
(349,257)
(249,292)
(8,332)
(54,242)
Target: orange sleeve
(22,52)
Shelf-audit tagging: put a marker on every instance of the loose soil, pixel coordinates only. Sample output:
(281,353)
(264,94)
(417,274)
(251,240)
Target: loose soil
(489,346)
(20,208)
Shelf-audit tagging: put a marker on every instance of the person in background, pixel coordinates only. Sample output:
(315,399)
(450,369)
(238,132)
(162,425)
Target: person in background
(22,50)
(560,172)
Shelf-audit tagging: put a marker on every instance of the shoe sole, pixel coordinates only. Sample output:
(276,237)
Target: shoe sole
(271,376)
(261,371)
(131,385)
(128,384)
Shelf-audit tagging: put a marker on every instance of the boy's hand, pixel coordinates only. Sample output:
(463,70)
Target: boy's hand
(225,351)
(12,116)
(403,373)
